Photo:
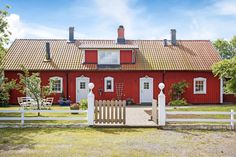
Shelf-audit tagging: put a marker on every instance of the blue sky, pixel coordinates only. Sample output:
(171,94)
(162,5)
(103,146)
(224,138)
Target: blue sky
(142,19)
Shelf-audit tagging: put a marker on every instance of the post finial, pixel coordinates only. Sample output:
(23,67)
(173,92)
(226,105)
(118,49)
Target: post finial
(161,86)
(91,86)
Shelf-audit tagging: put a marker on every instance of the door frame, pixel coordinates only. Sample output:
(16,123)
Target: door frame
(150,80)
(82,77)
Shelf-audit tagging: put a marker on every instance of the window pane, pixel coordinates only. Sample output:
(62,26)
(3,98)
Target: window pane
(199,86)
(82,85)
(108,58)
(146,85)
(109,84)
(56,85)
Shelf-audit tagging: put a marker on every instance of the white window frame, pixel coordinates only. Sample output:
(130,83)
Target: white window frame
(105,84)
(204,85)
(108,51)
(61,85)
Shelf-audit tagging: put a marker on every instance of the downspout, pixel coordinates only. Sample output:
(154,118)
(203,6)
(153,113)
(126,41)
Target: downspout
(163,79)
(221,90)
(67,86)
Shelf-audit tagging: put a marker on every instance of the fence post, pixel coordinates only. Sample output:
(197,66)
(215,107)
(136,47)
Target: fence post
(22,116)
(91,100)
(154,110)
(232,118)
(161,106)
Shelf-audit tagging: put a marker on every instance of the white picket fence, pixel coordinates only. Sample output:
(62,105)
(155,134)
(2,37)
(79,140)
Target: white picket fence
(23,118)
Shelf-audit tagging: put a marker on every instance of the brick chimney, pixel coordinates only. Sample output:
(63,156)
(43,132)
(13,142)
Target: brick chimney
(121,35)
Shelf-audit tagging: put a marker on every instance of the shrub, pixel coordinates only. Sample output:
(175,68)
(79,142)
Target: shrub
(84,104)
(75,106)
(179,102)
(178,89)
(5,87)
(129,101)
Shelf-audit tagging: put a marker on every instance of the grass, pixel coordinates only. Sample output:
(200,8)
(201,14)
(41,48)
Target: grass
(104,142)
(42,115)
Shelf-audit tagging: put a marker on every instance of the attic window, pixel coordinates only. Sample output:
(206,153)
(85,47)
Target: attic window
(109,57)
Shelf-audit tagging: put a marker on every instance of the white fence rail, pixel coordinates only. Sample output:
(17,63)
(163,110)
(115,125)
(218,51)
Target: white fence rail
(231,119)
(23,118)
(163,118)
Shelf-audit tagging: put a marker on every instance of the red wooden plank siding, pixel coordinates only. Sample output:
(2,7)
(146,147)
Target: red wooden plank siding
(91,56)
(213,86)
(125,56)
(229,98)
(131,84)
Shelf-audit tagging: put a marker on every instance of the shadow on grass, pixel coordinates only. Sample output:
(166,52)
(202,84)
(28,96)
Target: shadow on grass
(15,139)
(187,132)
(23,138)
(117,131)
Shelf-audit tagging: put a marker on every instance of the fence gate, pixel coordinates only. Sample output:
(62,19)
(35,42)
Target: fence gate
(110,112)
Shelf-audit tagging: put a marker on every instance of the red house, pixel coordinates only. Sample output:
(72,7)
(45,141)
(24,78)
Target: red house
(120,69)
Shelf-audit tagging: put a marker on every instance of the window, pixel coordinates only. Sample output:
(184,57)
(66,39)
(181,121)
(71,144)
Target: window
(56,84)
(146,85)
(82,85)
(109,57)
(109,84)
(199,85)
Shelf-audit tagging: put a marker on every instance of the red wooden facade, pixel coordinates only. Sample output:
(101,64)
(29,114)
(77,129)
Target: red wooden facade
(130,79)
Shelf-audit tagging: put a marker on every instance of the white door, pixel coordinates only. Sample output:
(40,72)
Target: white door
(146,89)
(82,89)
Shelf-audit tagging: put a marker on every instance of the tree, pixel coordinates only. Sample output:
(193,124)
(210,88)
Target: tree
(227,69)
(4,32)
(31,85)
(5,87)
(227,49)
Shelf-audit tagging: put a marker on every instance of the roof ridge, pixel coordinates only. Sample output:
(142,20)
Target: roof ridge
(42,39)
(191,40)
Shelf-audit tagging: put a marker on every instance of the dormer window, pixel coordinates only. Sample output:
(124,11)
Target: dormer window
(109,57)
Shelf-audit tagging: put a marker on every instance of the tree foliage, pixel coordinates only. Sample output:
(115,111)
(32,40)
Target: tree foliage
(30,84)
(5,87)
(178,89)
(227,69)
(4,32)
(227,49)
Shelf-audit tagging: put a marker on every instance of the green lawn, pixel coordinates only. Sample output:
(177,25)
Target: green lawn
(104,142)
(43,115)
